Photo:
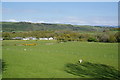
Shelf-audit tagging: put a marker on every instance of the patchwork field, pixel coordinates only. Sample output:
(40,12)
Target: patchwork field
(48,59)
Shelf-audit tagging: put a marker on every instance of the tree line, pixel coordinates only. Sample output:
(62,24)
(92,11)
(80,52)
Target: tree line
(64,36)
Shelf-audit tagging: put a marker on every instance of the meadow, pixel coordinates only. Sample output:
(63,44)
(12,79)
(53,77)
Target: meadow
(48,59)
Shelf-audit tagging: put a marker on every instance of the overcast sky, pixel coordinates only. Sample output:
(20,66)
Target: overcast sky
(79,13)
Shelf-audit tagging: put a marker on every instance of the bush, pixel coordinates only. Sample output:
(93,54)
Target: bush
(92,39)
(104,38)
(112,39)
(6,38)
(117,36)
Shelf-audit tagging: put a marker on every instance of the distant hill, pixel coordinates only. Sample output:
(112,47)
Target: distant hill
(27,26)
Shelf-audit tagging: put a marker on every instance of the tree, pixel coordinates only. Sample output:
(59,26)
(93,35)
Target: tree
(117,36)
(92,39)
(6,36)
(104,38)
(112,39)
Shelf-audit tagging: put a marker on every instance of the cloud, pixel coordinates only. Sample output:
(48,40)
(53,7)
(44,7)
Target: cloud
(109,20)
(46,22)
(14,20)
(39,22)
(74,21)
(105,22)
(11,20)
(25,21)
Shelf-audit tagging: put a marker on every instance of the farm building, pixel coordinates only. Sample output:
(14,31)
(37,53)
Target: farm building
(25,39)
(46,38)
(51,38)
(30,38)
(43,39)
(17,38)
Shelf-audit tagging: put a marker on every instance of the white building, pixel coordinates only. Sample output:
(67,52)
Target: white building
(51,38)
(30,38)
(46,38)
(43,38)
(17,38)
(34,38)
(25,39)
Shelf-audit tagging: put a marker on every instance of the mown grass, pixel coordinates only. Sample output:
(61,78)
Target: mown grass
(87,69)
(48,59)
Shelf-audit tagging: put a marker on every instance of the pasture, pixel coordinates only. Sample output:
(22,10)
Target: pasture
(47,59)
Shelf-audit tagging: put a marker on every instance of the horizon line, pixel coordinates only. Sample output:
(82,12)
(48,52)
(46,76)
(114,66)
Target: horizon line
(65,23)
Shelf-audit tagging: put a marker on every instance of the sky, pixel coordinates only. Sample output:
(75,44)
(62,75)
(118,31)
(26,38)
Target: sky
(60,0)
(76,13)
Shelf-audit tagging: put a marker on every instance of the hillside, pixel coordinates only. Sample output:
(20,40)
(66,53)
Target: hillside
(26,26)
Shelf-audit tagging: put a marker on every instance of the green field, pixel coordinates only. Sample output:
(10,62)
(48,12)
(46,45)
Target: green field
(48,58)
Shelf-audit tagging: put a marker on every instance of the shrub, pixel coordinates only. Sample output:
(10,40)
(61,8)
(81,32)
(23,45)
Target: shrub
(91,39)
(117,36)
(112,39)
(104,38)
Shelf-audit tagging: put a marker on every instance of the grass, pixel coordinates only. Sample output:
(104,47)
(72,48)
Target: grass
(48,59)
(93,70)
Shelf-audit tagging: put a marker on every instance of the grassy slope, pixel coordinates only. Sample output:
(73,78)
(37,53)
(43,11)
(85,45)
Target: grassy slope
(48,58)
(15,26)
